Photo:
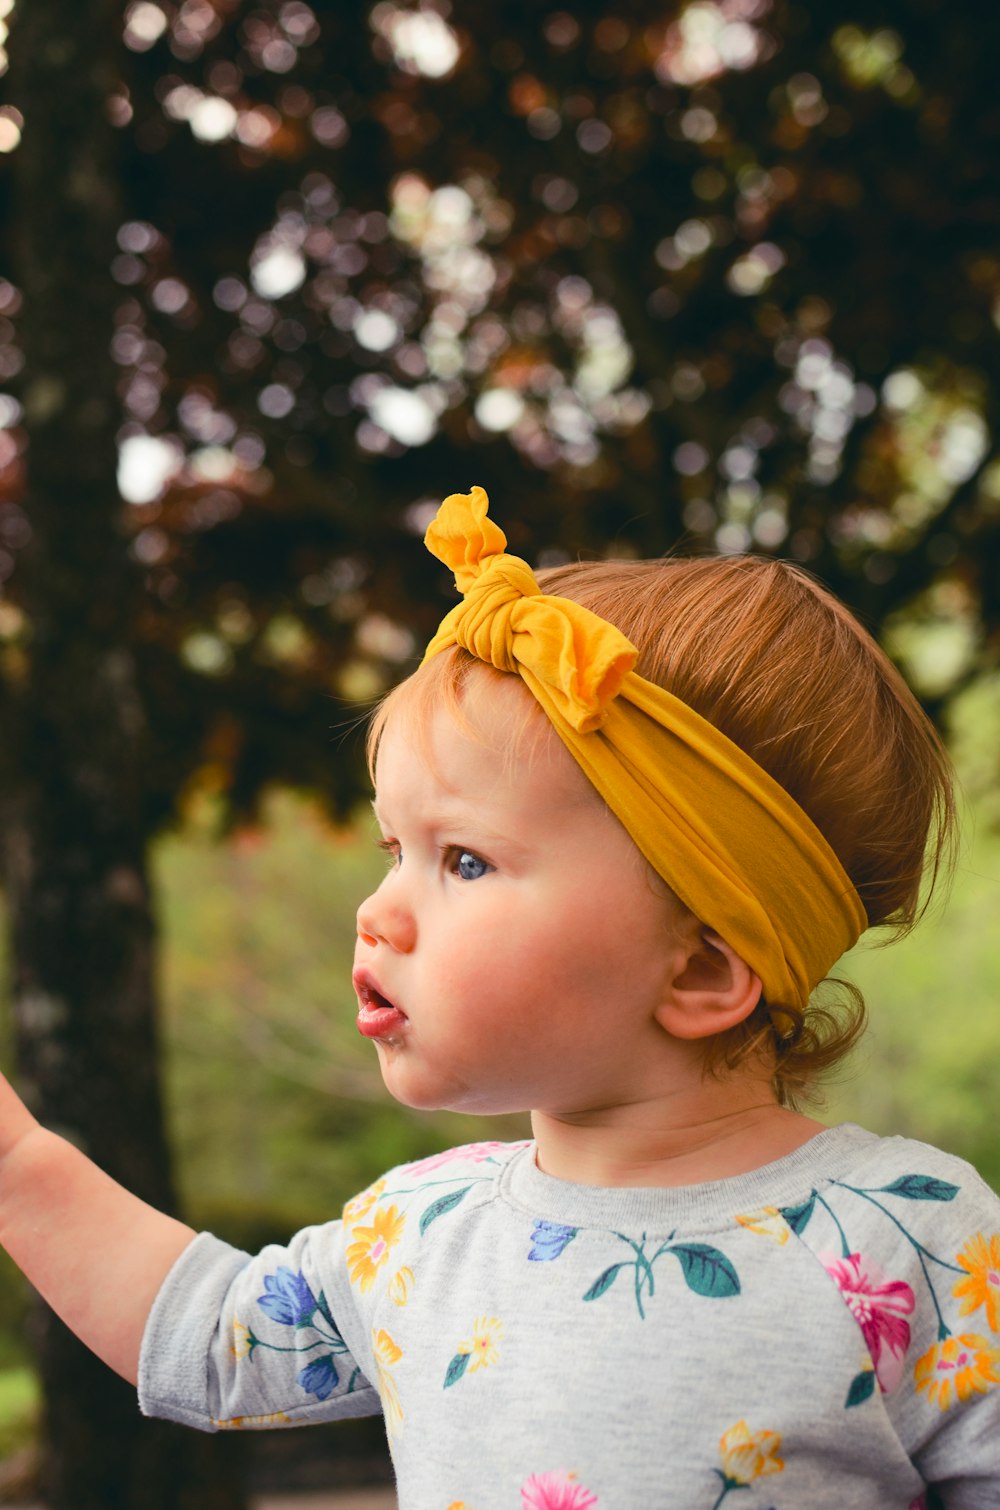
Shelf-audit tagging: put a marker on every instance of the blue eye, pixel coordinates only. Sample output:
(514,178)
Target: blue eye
(470,867)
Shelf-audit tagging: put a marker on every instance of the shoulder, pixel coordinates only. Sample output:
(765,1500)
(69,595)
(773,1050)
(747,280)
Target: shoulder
(387,1227)
(442,1180)
(905,1197)
(910,1236)
(918,1173)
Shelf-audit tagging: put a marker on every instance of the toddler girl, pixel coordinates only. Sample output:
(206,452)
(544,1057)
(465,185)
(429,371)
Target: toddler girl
(633,819)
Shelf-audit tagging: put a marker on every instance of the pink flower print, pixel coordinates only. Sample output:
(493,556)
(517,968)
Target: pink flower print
(467,1153)
(920,1503)
(878,1306)
(555,1491)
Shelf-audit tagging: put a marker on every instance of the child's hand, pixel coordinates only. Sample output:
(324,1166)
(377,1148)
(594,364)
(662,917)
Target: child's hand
(97,1254)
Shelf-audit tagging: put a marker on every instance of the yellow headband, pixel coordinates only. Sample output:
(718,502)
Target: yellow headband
(726,838)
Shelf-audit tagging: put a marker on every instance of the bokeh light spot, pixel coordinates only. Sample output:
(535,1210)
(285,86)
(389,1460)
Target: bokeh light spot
(280,271)
(146,463)
(499,409)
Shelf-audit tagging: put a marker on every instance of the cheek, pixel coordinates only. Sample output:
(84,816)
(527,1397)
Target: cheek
(609,948)
(490,984)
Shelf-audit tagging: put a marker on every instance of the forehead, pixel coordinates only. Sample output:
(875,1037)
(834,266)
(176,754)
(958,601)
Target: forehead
(483,737)
(475,695)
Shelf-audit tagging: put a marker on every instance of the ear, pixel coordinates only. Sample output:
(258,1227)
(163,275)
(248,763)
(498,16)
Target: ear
(712,989)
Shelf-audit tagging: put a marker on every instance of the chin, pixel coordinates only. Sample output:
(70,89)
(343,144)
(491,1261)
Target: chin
(429,1097)
(410,1091)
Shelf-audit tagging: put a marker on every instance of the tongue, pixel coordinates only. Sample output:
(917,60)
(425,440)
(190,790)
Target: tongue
(379,1022)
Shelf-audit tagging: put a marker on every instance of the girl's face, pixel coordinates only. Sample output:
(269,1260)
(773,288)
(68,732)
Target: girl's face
(514,956)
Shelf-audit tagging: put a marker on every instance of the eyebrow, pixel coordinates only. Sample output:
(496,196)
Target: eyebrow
(443,818)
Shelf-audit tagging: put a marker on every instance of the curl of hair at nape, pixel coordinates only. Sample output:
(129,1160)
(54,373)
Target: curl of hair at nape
(800,1046)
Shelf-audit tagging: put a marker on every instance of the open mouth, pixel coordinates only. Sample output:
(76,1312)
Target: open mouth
(378,1017)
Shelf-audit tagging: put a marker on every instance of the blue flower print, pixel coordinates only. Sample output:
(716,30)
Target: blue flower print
(288,1298)
(548,1239)
(320,1378)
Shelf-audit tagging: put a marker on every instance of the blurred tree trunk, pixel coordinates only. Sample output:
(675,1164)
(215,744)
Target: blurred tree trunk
(73,842)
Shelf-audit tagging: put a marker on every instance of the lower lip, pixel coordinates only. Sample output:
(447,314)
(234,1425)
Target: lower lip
(380,1022)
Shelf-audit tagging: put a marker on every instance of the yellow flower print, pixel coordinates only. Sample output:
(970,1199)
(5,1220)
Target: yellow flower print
(478,1351)
(252,1423)
(482,1346)
(244,1340)
(360,1205)
(387,1355)
(401,1286)
(980,1258)
(748,1455)
(767,1222)
(957,1369)
(387,1352)
(372,1245)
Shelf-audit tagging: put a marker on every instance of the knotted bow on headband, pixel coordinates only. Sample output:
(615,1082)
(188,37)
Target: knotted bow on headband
(726,838)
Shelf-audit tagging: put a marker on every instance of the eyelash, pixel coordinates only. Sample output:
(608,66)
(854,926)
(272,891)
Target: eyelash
(389,848)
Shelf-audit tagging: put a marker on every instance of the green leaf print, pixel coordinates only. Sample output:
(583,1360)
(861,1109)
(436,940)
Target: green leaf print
(862,1388)
(441,1205)
(604,1282)
(323,1306)
(456,1368)
(797,1217)
(920,1187)
(706,1270)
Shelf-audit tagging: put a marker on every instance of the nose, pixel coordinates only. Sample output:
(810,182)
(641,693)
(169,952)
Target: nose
(384,918)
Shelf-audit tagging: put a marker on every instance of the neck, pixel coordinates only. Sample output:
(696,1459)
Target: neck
(711,1133)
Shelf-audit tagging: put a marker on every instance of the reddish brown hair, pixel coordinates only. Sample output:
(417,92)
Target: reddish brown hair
(772,659)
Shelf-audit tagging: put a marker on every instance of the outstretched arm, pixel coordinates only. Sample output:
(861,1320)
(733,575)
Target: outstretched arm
(97,1254)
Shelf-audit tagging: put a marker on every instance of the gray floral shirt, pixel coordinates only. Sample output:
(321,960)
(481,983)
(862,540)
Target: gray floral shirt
(822,1332)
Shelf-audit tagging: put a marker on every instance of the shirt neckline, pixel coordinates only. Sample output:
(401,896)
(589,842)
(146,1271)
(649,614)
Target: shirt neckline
(713,1205)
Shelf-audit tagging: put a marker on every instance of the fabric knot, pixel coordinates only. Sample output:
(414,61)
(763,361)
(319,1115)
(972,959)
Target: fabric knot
(507,621)
(487,622)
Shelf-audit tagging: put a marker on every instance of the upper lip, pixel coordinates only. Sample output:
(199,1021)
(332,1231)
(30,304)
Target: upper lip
(368,991)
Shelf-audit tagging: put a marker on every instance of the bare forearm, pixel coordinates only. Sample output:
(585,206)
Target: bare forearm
(96,1253)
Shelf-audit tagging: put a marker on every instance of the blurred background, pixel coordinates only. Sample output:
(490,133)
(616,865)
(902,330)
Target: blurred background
(275,277)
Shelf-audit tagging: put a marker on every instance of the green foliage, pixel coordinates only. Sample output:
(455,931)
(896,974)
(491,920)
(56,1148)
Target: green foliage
(928,1065)
(13,1314)
(654,275)
(19,1404)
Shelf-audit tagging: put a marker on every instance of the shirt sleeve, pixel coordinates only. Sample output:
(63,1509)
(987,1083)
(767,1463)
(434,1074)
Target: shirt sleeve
(912,1241)
(240,1342)
(956,1376)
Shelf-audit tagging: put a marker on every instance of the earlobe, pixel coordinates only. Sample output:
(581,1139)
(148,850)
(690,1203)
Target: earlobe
(714,989)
